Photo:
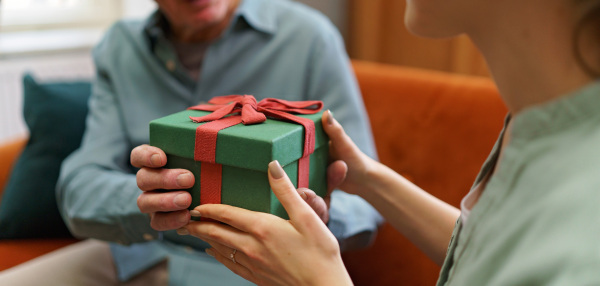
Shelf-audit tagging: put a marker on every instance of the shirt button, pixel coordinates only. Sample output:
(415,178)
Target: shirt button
(148,236)
(170,65)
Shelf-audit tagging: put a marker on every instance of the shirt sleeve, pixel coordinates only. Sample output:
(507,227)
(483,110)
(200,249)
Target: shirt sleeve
(332,81)
(97,190)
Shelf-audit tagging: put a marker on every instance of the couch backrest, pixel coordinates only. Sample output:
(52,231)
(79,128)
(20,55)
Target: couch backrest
(434,128)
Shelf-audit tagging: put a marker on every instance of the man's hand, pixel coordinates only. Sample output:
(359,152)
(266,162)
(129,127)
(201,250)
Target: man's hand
(318,204)
(167,209)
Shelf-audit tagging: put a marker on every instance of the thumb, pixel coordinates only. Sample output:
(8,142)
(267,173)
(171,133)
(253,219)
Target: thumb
(340,144)
(285,191)
(336,174)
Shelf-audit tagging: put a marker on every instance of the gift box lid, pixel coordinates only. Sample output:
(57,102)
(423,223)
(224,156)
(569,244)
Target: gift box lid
(244,146)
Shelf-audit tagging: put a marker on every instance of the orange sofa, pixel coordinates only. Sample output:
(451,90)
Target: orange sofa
(434,128)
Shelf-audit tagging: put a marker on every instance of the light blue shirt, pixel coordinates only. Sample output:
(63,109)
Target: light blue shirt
(272,48)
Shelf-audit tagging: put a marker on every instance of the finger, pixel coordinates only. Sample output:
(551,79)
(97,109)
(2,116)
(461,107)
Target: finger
(227,251)
(285,191)
(236,268)
(336,174)
(241,219)
(317,203)
(223,237)
(340,141)
(150,202)
(327,200)
(170,220)
(149,179)
(147,156)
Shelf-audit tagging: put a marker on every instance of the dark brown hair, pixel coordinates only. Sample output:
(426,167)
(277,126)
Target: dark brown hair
(590,20)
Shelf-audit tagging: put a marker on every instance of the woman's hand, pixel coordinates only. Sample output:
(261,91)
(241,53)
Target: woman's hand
(268,250)
(350,168)
(168,210)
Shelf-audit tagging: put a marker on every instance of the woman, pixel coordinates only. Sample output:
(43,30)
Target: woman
(532,217)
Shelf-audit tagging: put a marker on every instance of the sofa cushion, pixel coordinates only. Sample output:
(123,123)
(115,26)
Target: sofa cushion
(55,115)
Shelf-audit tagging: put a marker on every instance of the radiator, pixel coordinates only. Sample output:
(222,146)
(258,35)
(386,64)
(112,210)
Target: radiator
(44,68)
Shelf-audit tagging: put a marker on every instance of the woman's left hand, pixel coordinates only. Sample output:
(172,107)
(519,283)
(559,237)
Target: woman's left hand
(268,250)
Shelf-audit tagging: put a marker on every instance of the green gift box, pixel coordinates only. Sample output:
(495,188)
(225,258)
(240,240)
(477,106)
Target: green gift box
(241,155)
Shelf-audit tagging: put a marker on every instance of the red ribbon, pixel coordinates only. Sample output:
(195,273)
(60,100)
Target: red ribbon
(231,110)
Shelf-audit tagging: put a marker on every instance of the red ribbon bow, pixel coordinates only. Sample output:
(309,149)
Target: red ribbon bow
(244,109)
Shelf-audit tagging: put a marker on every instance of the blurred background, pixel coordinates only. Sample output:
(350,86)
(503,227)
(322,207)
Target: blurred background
(52,40)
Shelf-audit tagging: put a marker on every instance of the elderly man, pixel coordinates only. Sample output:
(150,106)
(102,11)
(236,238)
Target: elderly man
(186,53)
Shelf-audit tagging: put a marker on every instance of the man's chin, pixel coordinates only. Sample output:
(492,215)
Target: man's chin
(207,19)
(208,13)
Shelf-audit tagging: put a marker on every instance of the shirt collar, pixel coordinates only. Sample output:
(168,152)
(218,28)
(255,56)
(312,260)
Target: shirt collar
(254,12)
(156,25)
(559,114)
(257,15)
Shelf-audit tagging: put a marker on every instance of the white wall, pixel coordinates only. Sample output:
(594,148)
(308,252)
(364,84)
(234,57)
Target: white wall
(137,8)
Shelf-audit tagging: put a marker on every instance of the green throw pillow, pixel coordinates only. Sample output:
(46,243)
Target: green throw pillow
(55,114)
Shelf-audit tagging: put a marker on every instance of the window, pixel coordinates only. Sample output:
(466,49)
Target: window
(41,26)
(18,15)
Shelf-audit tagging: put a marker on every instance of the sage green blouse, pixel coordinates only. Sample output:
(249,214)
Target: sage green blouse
(537,221)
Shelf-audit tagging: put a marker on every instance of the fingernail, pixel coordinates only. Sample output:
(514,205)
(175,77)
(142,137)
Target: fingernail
(302,193)
(183,231)
(184,180)
(195,213)
(210,252)
(155,160)
(329,117)
(181,200)
(276,170)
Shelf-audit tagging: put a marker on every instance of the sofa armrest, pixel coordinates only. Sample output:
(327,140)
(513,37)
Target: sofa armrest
(17,251)
(9,152)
